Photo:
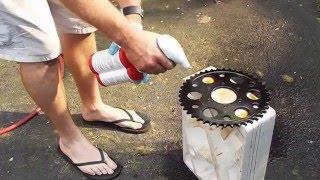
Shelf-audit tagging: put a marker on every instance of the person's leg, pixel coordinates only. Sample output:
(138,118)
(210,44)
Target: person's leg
(77,48)
(31,40)
(44,84)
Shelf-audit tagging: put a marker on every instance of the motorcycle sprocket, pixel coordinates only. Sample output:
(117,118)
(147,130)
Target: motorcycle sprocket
(224,114)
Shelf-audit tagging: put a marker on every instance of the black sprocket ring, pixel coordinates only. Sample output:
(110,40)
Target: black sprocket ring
(241,84)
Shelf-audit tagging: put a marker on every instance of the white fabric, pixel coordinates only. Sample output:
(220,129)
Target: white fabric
(28,30)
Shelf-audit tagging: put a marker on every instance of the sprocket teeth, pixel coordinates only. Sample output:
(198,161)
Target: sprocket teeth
(251,122)
(229,125)
(254,118)
(259,115)
(243,123)
(187,106)
(220,125)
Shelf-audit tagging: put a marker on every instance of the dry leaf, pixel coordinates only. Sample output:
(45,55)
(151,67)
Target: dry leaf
(204,19)
(287,78)
(259,73)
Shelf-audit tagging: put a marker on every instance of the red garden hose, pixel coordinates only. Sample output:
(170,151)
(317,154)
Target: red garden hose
(31,115)
(21,121)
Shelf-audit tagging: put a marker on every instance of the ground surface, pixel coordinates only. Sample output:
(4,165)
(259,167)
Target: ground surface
(277,40)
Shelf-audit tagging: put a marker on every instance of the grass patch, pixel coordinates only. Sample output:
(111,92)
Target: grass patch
(318,8)
(318,4)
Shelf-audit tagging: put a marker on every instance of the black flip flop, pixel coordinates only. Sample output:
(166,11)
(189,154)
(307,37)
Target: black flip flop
(145,126)
(115,174)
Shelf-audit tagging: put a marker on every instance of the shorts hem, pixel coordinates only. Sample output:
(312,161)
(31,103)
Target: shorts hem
(86,30)
(30,59)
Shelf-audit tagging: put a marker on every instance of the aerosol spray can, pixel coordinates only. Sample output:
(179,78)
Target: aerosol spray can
(115,68)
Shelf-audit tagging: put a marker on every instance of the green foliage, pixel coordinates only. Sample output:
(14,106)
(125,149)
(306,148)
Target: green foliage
(318,4)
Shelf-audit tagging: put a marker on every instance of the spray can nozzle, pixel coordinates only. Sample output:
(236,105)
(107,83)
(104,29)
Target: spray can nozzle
(172,49)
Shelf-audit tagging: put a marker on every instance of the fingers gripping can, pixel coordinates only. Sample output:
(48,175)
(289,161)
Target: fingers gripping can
(113,69)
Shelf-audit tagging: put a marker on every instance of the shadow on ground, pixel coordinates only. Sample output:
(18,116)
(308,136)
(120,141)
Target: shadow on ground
(275,40)
(34,146)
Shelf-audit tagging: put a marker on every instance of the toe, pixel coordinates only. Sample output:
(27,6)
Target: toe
(102,169)
(130,124)
(87,170)
(108,169)
(136,122)
(96,170)
(110,162)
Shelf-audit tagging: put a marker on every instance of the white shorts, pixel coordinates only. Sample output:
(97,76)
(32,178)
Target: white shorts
(28,29)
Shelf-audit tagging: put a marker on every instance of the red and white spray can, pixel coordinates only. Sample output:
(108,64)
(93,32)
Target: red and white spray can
(115,68)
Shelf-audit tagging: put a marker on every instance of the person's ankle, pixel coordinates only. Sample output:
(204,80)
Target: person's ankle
(89,111)
(96,111)
(92,107)
(66,140)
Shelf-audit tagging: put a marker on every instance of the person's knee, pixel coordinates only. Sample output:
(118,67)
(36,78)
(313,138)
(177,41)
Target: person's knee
(47,69)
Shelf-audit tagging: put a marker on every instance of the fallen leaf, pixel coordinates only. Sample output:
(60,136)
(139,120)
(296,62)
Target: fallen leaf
(204,19)
(259,73)
(287,78)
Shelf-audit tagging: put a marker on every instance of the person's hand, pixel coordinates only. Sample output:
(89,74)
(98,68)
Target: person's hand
(143,53)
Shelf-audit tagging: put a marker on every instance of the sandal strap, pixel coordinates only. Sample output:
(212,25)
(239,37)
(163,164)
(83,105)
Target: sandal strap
(101,155)
(128,113)
(93,162)
(123,120)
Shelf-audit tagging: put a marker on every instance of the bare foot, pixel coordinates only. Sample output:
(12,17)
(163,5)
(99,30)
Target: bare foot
(109,114)
(80,150)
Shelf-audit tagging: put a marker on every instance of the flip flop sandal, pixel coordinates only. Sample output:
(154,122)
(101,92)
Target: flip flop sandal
(115,174)
(145,126)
